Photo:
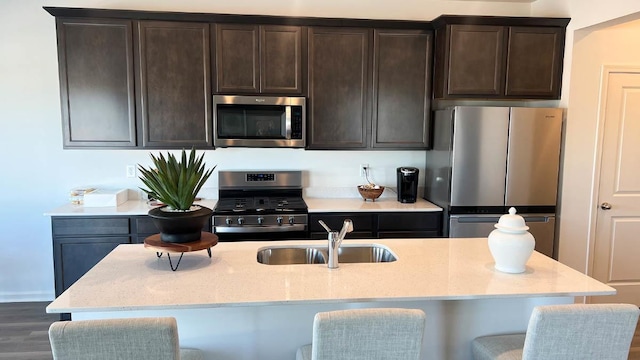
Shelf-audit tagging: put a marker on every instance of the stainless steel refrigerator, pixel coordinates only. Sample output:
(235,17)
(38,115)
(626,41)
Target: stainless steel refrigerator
(485,160)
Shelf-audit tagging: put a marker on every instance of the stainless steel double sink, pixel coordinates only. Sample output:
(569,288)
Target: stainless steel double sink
(305,254)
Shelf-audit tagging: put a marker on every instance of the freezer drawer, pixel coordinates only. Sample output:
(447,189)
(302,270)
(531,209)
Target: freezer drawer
(541,226)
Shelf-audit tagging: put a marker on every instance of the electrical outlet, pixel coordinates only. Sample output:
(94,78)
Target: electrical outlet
(363,169)
(131,171)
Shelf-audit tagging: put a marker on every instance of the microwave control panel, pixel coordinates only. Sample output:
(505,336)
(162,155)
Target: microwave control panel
(296,122)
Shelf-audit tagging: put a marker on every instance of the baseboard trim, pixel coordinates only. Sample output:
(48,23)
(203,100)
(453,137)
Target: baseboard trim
(26,297)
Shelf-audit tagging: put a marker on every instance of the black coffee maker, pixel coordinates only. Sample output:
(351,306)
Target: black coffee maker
(407,184)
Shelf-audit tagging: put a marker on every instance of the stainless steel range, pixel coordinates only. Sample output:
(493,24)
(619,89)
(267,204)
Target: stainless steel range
(260,205)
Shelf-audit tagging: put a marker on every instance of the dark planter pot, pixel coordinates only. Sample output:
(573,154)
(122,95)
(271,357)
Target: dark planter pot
(180,226)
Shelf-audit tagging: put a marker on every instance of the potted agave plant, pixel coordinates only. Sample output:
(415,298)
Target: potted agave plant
(176,183)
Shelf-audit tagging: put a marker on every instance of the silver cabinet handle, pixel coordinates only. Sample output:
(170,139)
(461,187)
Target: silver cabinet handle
(605,206)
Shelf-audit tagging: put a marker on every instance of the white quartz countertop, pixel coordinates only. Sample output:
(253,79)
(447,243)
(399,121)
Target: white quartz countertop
(359,205)
(140,207)
(130,207)
(132,277)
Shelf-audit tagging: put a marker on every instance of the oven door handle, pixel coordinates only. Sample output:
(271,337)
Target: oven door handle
(259,229)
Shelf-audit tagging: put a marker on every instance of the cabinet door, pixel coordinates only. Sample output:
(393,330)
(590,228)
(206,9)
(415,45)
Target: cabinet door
(237,62)
(143,227)
(80,226)
(339,88)
(409,225)
(476,60)
(73,257)
(362,224)
(281,59)
(401,88)
(80,242)
(174,84)
(534,62)
(95,59)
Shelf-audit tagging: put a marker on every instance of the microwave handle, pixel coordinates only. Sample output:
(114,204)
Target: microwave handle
(287,121)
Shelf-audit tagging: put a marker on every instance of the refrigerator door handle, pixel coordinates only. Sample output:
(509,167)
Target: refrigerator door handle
(477,219)
(494,219)
(536,218)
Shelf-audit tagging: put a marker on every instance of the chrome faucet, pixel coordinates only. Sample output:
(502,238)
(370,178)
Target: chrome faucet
(335,239)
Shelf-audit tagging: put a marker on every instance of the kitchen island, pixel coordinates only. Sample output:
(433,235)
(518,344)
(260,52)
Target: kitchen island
(233,307)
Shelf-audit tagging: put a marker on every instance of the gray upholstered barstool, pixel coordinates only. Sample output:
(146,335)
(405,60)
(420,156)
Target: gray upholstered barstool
(122,339)
(364,334)
(565,332)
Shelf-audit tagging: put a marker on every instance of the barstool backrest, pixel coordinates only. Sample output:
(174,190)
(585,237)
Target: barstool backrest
(579,331)
(364,334)
(122,339)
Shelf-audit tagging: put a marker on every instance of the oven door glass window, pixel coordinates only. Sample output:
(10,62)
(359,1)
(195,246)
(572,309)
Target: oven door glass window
(251,122)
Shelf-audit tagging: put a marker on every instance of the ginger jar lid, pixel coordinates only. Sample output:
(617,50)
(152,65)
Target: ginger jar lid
(511,222)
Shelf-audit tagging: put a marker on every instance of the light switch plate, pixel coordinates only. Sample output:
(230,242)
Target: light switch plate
(131,171)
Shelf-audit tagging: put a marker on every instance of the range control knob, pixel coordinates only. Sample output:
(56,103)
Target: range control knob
(291,220)
(279,220)
(228,221)
(260,220)
(240,220)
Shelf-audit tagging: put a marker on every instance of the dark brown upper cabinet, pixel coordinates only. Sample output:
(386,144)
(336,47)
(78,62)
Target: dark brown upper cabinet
(401,88)
(498,58)
(339,88)
(173,84)
(95,58)
(254,59)
(534,64)
(476,59)
(369,96)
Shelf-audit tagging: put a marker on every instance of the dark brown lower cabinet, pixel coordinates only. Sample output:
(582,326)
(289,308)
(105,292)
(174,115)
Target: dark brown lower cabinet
(409,225)
(75,256)
(363,224)
(80,242)
(379,225)
(144,227)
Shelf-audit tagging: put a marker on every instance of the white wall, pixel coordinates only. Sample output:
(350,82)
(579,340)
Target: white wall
(617,45)
(585,12)
(37,174)
(364,9)
(593,40)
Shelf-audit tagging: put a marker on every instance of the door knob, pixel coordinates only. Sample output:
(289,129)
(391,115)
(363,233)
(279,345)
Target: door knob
(605,206)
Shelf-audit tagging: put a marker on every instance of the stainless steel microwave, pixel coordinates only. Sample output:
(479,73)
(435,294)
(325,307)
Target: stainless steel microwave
(259,121)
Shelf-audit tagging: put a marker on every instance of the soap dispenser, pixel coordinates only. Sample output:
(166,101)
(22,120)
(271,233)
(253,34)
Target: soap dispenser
(511,245)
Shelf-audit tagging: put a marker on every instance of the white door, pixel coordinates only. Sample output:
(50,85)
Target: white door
(616,259)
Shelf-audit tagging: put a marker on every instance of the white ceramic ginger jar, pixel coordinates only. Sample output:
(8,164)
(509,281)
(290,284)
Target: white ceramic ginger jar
(511,245)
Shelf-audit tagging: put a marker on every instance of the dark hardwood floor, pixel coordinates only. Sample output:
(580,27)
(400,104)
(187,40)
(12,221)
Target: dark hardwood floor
(23,331)
(24,327)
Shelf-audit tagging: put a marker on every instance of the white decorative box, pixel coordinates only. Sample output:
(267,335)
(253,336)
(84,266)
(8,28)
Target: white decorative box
(103,197)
